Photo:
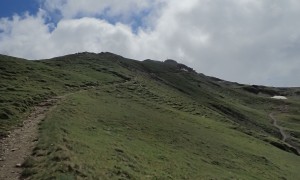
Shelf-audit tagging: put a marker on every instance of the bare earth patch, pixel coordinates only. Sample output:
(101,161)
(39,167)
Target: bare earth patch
(19,144)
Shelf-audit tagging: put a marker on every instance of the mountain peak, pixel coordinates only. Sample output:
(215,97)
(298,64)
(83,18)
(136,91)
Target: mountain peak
(171,61)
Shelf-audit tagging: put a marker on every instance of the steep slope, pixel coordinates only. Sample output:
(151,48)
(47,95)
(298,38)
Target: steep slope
(148,120)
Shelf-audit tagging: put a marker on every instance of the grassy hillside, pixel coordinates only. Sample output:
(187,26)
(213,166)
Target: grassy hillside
(25,83)
(148,120)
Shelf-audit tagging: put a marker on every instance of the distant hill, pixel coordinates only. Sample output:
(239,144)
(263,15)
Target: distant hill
(129,119)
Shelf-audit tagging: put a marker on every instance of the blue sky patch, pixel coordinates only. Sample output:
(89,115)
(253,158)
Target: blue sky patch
(10,7)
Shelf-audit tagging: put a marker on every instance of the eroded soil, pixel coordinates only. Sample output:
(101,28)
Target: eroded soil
(19,144)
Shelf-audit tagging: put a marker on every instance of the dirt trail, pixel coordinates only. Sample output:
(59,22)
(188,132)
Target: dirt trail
(19,144)
(283,134)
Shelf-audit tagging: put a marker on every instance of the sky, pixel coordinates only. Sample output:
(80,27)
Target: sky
(245,41)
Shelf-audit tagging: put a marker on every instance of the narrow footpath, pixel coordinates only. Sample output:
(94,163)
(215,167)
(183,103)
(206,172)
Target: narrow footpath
(19,144)
(284,135)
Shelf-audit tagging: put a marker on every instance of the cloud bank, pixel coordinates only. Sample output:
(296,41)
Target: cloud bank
(248,41)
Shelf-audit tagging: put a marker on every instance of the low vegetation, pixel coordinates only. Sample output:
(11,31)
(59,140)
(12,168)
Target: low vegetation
(128,119)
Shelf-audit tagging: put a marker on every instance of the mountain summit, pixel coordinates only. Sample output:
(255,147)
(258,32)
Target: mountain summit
(103,116)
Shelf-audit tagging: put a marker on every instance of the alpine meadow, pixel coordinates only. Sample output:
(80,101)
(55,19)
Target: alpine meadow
(104,116)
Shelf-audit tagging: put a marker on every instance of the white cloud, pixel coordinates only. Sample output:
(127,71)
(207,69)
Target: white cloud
(249,41)
(90,34)
(25,36)
(122,10)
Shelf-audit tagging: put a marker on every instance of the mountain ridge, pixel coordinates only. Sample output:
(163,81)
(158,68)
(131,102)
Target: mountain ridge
(211,115)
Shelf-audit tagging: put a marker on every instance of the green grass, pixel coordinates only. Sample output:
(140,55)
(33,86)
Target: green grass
(291,124)
(98,134)
(146,120)
(24,83)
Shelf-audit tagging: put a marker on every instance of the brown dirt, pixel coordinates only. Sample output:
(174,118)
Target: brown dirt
(19,144)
